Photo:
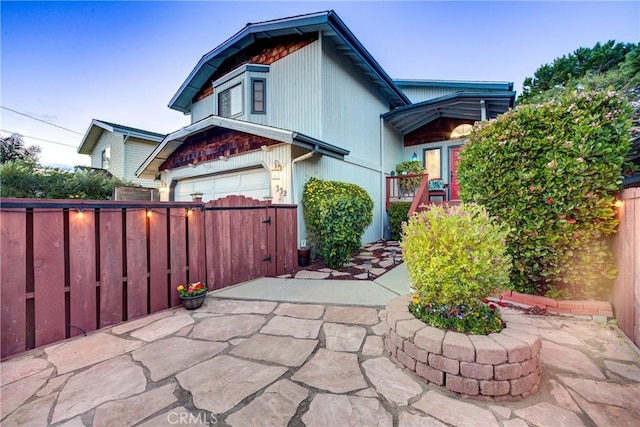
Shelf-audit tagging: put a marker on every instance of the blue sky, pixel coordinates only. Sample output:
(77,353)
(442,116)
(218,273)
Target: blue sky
(70,62)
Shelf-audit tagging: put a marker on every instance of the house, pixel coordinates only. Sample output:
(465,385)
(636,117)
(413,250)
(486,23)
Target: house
(285,100)
(120,150)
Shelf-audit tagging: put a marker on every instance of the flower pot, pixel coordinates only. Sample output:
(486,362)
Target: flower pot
(191,303)
(303,257)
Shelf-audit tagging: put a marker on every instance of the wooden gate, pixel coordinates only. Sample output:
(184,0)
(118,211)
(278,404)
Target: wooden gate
(246,239)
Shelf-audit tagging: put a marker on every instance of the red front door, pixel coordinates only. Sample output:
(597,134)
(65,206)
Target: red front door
(454,187)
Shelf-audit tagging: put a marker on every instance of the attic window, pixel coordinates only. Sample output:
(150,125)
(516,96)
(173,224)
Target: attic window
(230,102)
(461,131)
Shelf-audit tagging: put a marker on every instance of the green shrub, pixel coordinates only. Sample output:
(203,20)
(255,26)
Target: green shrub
(398,213)
(550,171)
(336,214)
(455,257)
(410,167)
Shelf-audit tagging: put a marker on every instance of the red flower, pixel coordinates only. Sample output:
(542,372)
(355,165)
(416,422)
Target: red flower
(485,300)
(502,304)
(492,306)
(549,200)
(571,220)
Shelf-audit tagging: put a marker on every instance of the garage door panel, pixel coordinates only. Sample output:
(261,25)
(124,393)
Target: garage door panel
(253,183)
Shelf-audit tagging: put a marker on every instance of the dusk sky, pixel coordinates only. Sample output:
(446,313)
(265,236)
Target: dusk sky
(70,62)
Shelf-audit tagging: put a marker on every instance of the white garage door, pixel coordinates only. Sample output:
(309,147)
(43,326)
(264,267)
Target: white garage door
(250,183)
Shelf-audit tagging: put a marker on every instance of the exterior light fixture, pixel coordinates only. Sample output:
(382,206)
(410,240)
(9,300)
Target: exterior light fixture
(414,157)
(188,212)
(149,213)
(80,213)
(275,170)
(367,267)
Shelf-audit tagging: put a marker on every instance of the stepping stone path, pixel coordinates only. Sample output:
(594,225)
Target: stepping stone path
(260,363)
(379,254)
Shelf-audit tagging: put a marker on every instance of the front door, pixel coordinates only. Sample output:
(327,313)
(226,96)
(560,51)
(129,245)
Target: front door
(454,187)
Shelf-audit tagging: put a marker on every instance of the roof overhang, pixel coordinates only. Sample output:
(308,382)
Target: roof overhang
(92,136)
(151,165)
(328,23)
(459,105)
(457,84)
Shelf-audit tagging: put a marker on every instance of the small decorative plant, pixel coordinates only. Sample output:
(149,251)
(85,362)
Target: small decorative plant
(455,259)
(192,290)
(408,168)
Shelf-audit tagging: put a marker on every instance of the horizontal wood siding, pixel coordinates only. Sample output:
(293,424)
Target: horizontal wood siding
(70,267)
(137,152)
(419,94)
(113,140)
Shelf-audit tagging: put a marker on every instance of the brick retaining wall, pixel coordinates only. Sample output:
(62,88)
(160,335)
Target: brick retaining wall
(499,366)
(594,309)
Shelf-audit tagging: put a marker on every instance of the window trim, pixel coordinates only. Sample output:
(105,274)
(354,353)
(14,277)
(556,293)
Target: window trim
(253,95)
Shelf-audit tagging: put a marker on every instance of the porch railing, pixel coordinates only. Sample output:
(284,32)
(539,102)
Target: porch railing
(405,188)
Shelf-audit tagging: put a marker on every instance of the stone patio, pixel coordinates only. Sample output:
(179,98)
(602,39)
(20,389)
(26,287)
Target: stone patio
(257,363)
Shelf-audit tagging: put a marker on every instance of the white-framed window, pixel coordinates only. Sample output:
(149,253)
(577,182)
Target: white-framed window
(258,96)
(230,101)
(106,158)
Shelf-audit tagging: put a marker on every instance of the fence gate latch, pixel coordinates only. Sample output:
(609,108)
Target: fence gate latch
(268,258)
(267,221)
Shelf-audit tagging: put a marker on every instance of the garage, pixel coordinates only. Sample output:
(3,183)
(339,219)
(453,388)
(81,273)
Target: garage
(254,183)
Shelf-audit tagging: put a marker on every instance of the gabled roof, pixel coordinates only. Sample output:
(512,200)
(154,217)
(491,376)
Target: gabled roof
(462,105)
(172,141)
(96,128)
(327,22)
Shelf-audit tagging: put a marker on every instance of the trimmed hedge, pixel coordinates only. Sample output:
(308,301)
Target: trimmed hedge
(398,213)
(336,214)
(550,171)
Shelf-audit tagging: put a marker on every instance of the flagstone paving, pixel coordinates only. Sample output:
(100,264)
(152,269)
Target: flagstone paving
(257,363)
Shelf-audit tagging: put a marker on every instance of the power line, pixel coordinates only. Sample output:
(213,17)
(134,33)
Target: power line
(40,120)
(39,139)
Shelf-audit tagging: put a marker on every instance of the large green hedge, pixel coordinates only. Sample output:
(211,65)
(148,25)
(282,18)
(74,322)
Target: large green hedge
(336,214)
(550,172)
(398,213)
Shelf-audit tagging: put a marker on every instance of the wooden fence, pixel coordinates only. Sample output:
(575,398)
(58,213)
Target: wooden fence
(626,289)
(69,267)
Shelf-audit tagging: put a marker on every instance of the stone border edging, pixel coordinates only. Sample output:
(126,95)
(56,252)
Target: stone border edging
(498,366)
(592,309)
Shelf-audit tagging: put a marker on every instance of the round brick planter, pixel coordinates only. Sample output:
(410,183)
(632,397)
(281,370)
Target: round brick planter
(499,366)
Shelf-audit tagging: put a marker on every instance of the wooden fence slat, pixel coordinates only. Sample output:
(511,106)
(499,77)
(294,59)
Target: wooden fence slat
(13,245)
(48,276)
(111,259)
(211,244)
(82,268)
(196,247)
(178,252)
(158,241)
(272,242)
(136,245)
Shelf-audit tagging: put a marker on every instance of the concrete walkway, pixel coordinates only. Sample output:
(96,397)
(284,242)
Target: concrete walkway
(246,362)
(375,292)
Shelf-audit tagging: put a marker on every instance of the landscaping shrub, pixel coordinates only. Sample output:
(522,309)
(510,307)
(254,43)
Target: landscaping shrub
(455,257)
(398,213)
(336,214)
(550,172)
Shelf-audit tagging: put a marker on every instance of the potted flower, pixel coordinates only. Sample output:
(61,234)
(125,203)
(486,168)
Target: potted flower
(193,295)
